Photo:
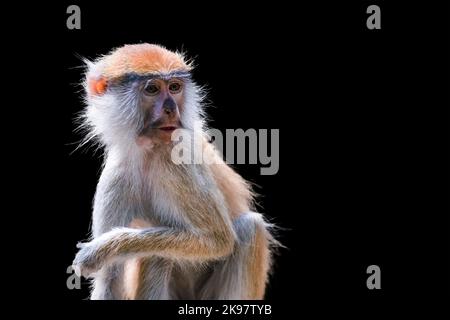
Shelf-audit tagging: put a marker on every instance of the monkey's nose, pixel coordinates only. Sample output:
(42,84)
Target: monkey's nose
(168,111)
(169,106)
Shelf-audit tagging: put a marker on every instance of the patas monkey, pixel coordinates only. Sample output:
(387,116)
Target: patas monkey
(163,230)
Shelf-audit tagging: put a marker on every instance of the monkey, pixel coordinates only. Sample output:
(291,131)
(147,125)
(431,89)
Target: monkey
(162,230)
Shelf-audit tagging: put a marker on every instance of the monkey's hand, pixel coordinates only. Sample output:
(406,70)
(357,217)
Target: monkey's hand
(87,260)
(97,253)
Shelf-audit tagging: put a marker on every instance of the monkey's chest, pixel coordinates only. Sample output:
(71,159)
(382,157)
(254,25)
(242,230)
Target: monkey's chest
(172,201)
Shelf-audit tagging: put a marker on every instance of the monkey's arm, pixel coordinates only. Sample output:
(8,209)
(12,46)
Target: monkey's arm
(161,241)
(236,191)
(208,236)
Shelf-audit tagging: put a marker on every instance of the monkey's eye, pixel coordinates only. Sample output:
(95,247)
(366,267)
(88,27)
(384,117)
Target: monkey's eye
(151,89)
(175,87)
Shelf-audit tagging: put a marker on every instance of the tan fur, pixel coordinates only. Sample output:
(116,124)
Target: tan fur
(236,191)
(140,224)
(258,266)
(132,268)
(131,278)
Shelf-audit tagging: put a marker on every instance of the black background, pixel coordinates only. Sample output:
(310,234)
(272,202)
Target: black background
(363,119)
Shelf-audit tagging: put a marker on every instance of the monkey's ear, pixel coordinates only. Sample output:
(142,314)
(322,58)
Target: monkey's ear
(97,86)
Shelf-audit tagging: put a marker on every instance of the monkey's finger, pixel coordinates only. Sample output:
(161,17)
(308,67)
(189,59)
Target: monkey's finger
(82,270)
(81,245)
(77,270)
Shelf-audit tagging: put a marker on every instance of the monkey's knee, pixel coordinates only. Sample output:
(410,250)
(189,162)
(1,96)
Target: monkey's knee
(248,225)
(253,250)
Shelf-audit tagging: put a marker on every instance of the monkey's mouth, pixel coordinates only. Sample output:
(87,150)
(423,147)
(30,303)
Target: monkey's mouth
(160,128)
(168,128)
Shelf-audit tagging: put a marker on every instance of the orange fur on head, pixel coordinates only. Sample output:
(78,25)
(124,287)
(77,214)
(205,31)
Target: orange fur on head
(141,59)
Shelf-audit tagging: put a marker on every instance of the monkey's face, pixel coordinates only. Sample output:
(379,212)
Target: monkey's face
(137,96)
(143,110)
(161,103)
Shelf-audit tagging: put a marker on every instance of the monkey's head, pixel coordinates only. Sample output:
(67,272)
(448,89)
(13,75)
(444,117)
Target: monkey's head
(137,95)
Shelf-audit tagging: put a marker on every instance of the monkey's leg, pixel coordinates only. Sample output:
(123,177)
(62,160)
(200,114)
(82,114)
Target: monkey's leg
(153,279)
(107,284)
(243,275)
(146,278)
